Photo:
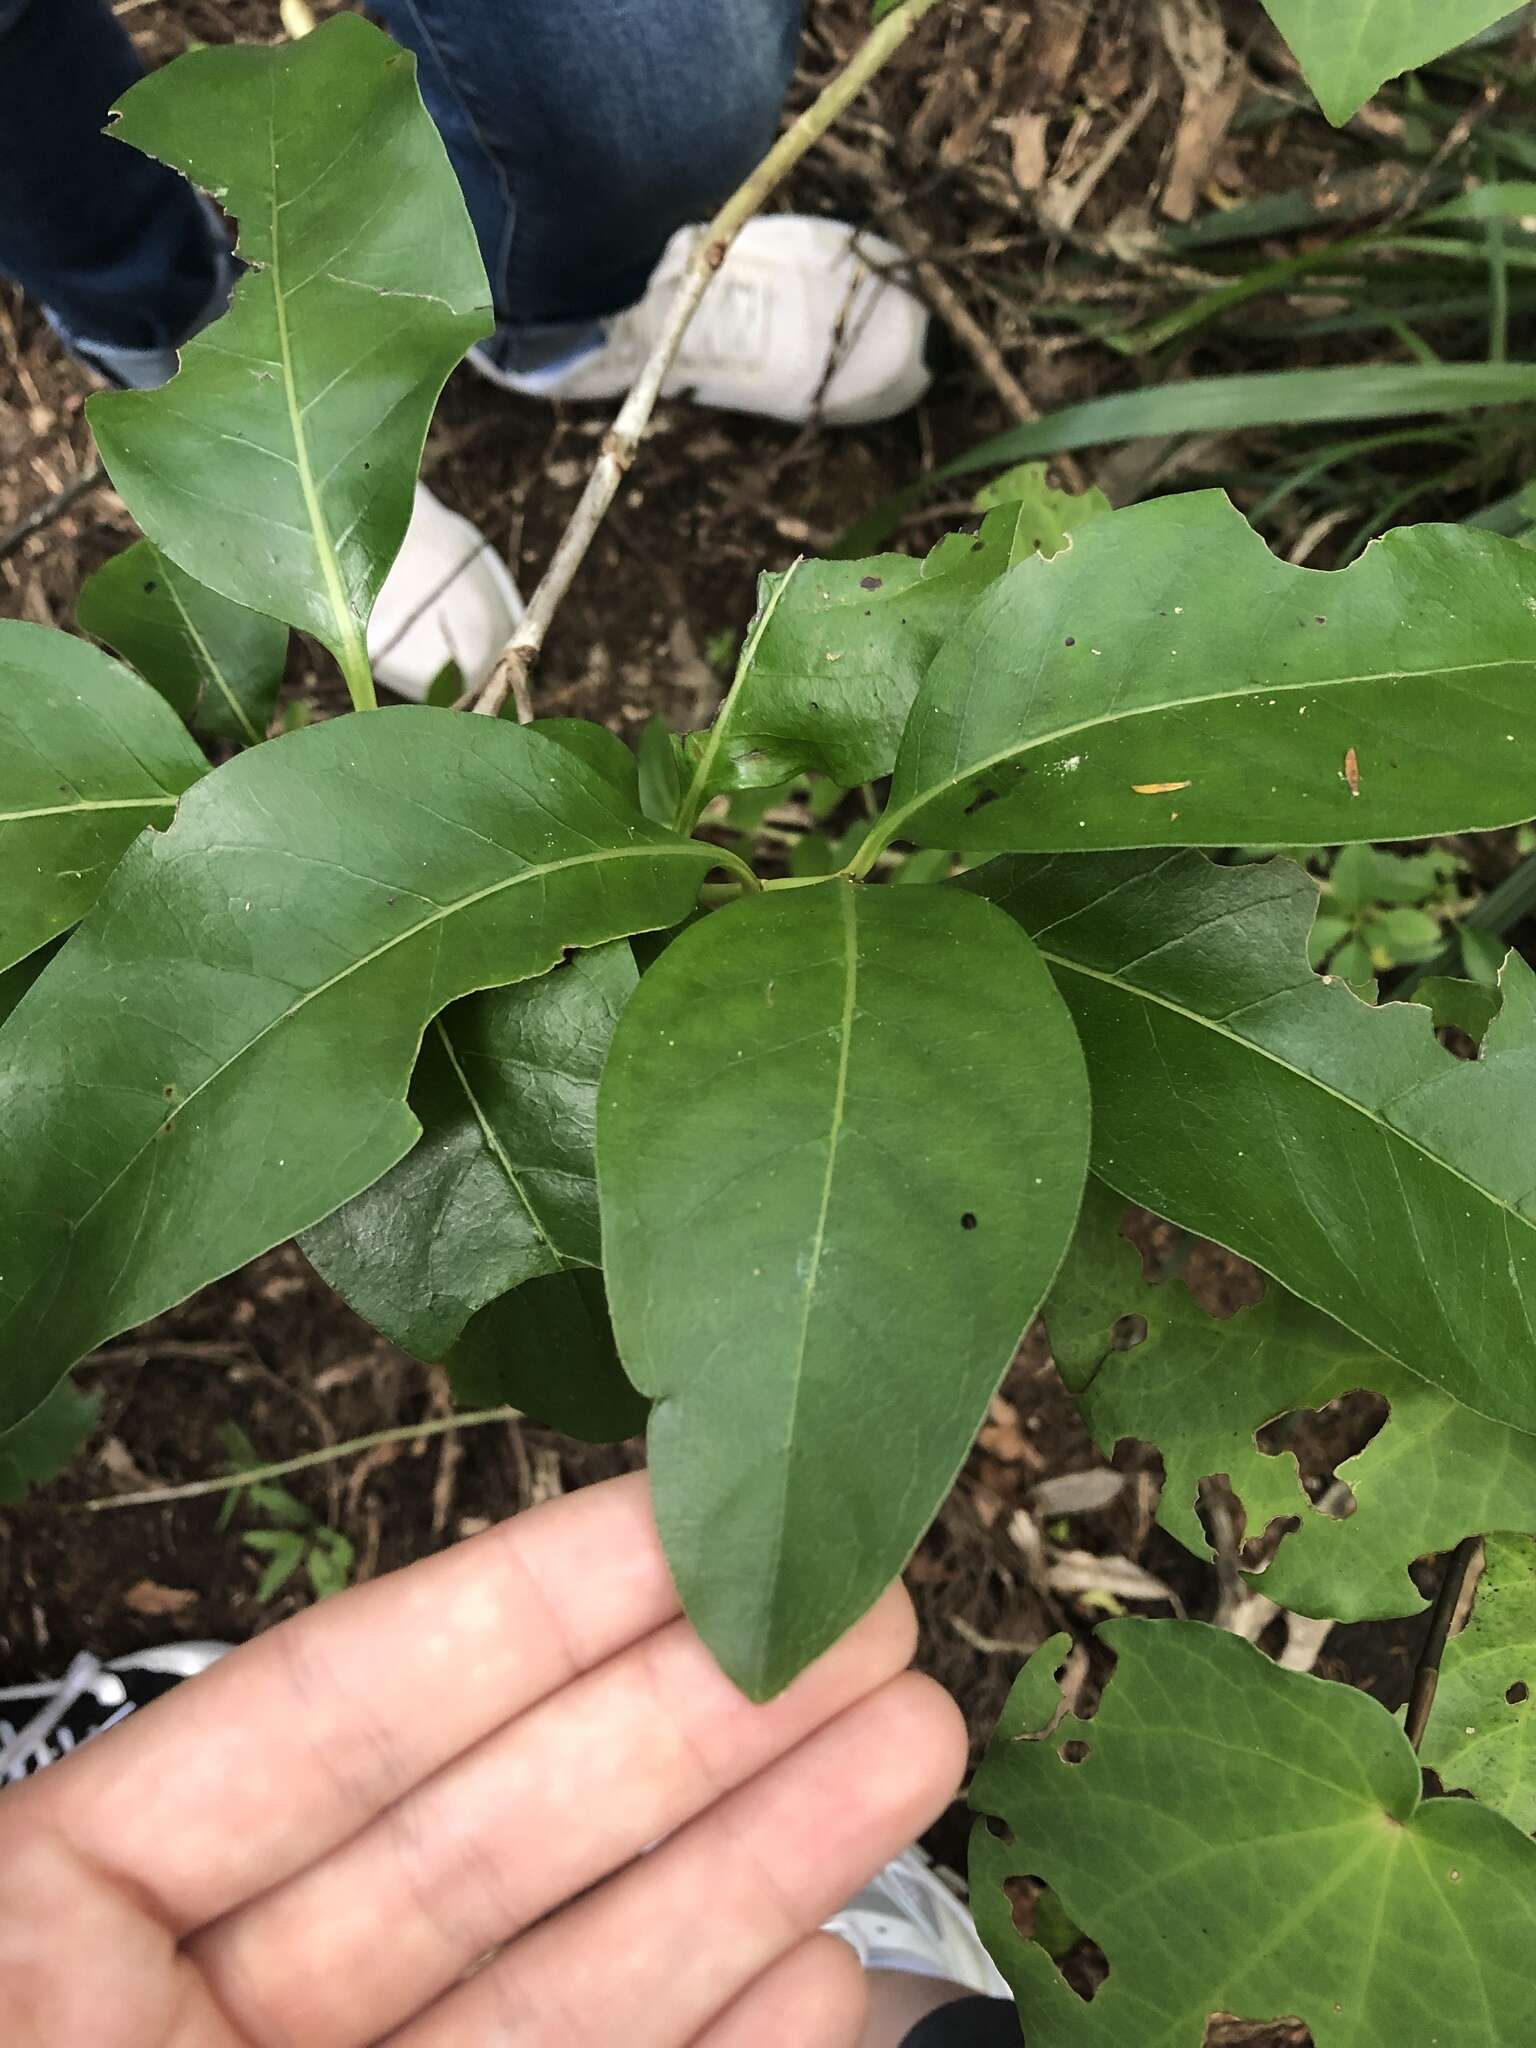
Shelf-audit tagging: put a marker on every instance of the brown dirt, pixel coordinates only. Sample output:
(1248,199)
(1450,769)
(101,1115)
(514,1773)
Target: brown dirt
(989,128)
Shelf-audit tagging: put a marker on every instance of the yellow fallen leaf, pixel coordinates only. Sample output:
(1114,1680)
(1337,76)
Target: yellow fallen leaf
(1156,788)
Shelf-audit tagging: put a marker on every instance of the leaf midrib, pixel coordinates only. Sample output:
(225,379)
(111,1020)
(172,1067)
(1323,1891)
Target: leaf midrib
(493,1143)
(104,803)
(691,849)
(213,667)
(891,823)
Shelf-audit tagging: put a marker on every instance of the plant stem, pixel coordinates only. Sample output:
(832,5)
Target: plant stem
(359,677)
(1427,1677)
(622,441)
(50,509)
(439,1425)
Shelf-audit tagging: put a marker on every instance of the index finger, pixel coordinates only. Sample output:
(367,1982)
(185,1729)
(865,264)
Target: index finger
(245,1775)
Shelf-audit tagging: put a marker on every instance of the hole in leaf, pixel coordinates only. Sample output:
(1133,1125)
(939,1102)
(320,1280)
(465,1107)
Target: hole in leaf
(1322,1439)
(968,1220)
(1070,641)
(1226,2030)
(871,582)
(1518,1693)
(1000,1829)
(1076,1751)
(1128,1332)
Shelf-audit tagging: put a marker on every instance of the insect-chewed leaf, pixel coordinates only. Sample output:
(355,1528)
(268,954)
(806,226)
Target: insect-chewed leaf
(1346,58)
(1041,517)
(833,1193)
(217,663)
(1336,1145)
(503,1185)
(220,1055)
(1247,1841)
(277,466)
(1165,681)
(89,755)
(1200,1387)
(1481,1736)
(837,654)
(548,1348)
(33,1451)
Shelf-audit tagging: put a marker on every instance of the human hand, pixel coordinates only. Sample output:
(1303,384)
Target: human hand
(312,1844)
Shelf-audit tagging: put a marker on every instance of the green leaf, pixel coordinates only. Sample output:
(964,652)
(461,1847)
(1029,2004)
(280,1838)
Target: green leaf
(36,1449)
(219,1057)
(1347,54)
(1199,1388)
(602,750)
(1166,681)
(1241,1839)
(1405,934)
(835,658)
(216,663)
(1336,1145)
(660,770)
(1466,1006)
(277,467)
(832,1195)
(1042,519)
(1481,1736)
(89,755)
(502,1186)
(548,1349)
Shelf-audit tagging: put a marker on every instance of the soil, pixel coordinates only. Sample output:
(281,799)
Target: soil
(994,120)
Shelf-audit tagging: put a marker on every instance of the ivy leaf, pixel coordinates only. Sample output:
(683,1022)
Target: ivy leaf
(35,1450)
(219,1057)
(1347,54)
(1337,1146)
(298,419)
(1165,681)
(218,665)
(1199,1388)
(832,1196)
(1481,1736)
(548,1349)
(503,1184)
(89,755)
(837,654)
(1244,1840)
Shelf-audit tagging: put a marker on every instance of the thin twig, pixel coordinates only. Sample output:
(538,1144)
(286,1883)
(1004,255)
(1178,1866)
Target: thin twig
(255,1474)
(50,509)
(1427,1676)
(622,441)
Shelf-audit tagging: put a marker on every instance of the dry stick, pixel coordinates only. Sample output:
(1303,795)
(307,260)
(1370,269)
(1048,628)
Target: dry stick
(50,509)
(622,440)
(439,1426)
(1427,1676)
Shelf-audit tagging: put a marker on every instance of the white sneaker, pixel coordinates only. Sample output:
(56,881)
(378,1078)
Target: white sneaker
(447,598)
(908,1919)
(798,322)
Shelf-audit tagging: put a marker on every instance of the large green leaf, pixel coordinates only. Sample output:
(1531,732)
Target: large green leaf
(1337,1146)
(1199,1388)
(32,1452)
(548,1349)
(217,663)
(220,1055)
(1481,1736)
(832,1195)
(277,466)
(1166,681)
(839,649)
(503,1185)
(89,755)
(1347,52)
(1248,1841)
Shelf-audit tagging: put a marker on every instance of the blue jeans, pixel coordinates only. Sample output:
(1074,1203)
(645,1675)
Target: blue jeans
(583,133)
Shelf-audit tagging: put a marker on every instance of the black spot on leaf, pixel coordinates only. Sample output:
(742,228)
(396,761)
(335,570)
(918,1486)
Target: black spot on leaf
(968,1220)
(871,582)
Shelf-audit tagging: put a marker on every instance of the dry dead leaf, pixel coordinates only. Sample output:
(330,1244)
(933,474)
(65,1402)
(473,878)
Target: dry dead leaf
(1213,85)
(146,1596)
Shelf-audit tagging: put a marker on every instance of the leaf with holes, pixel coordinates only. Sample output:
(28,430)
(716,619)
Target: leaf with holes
(1336,1145)
(832,1196)
(1244,1840)
(1165,681)
(89,755)
(1346,53)
(277,466)
(1481,1736)
(548,1349)
(838,651)
(216,663)
(1200,1388)
(502,1186)
(1041,518)
(220,1055)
